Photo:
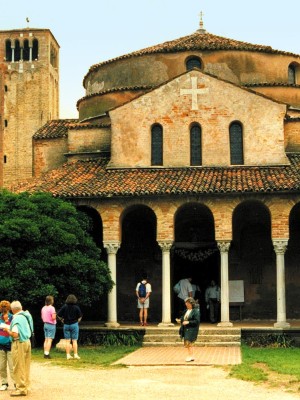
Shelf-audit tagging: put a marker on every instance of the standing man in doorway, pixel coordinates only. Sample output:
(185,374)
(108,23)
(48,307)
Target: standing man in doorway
(143,291)
(212,299)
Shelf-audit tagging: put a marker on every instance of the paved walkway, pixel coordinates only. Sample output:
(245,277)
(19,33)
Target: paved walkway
(144,383)
(177,355)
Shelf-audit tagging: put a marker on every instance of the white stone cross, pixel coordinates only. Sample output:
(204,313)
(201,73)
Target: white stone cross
(194,91)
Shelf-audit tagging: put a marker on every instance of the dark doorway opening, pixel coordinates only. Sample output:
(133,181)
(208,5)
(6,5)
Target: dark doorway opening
(95,230)
(195,253)
(138,255)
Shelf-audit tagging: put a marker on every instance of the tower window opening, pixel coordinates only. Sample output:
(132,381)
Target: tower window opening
(17,50)
(26,51)
(8,50)
(35,49)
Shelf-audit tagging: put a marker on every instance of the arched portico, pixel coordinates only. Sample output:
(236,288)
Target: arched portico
(252,259)
(139,254)
(195,252)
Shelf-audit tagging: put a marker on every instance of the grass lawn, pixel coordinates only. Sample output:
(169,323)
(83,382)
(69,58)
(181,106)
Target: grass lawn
(274,366)
(91,356)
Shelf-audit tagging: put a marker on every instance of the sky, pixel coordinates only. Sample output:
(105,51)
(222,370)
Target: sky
(93,31)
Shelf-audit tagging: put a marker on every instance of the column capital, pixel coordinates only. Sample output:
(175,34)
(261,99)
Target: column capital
(166,245)
(223,245)
(111,247)
(280,245)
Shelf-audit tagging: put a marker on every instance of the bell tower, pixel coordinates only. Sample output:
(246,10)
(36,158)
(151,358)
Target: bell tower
(29,96)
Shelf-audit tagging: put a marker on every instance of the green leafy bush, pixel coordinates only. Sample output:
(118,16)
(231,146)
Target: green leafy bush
(45,250)
(269,340)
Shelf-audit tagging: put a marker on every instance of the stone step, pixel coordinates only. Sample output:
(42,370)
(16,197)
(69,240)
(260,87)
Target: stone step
(209,337)
(201,338)
(198,344)
(174,330)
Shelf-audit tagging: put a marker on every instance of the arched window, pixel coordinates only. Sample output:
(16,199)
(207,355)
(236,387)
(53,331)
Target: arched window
(292,74)
(156,145)
(193,62)
(26,50)
(195,145)
(35,49)
(8,50)
(17,50)
(236,143)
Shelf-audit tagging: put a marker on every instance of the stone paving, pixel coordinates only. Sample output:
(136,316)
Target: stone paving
(147,356)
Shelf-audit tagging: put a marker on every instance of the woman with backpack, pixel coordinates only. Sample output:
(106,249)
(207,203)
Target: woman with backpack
(143,291)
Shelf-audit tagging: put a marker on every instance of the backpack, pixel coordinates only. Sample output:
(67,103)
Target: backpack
(176,288)
(28,316)
(142,290)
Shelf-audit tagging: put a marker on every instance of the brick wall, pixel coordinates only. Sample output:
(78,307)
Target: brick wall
(30,101)
(220,104)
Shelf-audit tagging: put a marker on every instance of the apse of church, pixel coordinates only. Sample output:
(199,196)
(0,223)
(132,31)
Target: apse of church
(188,154)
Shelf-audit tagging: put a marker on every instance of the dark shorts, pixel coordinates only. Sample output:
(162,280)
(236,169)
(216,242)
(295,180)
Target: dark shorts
(71,331)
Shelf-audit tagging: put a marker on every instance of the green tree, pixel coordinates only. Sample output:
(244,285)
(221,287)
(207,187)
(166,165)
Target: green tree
(45,250)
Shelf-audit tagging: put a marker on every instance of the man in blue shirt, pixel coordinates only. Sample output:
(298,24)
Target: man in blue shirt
(20,331)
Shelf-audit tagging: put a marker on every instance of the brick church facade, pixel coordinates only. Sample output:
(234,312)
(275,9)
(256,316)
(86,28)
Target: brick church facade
(186,155)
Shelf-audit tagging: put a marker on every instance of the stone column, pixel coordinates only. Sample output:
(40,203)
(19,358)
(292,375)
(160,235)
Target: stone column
(166,283)
(224,248)
(112,248)
(12,53)
(280,246)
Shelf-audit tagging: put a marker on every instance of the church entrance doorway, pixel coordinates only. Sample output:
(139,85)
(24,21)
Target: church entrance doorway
(195,253)
(138,255)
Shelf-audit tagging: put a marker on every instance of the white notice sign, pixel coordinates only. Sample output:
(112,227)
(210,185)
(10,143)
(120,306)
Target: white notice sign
(236,291)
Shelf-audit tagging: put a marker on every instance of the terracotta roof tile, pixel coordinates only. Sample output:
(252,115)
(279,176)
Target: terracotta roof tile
(54,129)
(92,179)
(59,128)
(270,84)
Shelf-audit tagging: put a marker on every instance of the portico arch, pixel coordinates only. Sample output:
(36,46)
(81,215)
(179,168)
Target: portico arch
(139,254)
(95,229)
(195,251)
(292,265)
(252,259)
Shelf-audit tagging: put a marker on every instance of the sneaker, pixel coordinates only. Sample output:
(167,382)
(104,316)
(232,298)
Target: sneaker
(189,359)
(18,393)
(76,356)
(142,323)
(69,357)
(4,386)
